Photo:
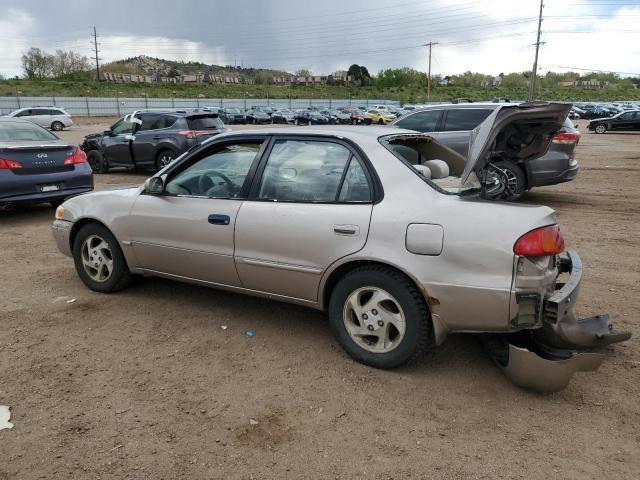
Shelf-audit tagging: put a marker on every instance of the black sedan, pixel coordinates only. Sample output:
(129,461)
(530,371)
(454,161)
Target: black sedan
(257,116)
(231,115)
(310,117)
(36,166)
(628,121)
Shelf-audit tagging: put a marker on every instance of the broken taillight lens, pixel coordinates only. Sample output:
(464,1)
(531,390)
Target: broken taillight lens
(540,242)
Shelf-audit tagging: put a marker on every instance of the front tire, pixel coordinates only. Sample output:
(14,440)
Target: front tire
(97,162)
(600,128)
(99,260)
(379,317)
(57,126)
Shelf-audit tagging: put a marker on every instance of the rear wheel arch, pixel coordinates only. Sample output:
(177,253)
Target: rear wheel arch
(340,271)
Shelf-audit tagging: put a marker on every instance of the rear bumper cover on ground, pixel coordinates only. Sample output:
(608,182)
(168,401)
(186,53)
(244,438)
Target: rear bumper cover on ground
(545,359)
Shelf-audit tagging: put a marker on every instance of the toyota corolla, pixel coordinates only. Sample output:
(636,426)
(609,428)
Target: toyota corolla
(399,239)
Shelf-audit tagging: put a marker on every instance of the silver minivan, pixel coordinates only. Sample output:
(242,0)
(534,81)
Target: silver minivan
(55,118)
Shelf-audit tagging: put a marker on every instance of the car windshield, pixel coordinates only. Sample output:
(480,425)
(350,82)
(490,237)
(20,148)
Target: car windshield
(233,110)
(204,122)
(19,131)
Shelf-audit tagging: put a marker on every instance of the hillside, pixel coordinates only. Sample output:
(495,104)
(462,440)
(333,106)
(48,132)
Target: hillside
(144,65)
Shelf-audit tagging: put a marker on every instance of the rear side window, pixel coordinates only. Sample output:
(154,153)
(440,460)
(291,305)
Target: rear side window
(16,131)
(426,121)
(204,122)
(312,171)
(55,112)
(464,119)
(40,111)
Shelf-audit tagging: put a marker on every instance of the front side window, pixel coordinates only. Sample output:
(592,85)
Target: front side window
(426,121)
(220,174)
(121,127)
(312,171)
(465,119)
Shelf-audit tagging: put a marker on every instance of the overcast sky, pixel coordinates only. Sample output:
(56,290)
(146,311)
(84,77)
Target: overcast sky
(325,35)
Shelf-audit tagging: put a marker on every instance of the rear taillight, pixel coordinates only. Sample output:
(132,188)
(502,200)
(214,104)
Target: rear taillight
(194,133)
(566,137)
(77,157)
(9,164)
(540,242)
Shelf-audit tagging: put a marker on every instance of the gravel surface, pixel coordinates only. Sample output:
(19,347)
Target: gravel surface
(148,384)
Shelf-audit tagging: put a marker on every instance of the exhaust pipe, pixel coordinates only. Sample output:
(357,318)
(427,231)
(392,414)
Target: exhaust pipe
(7,207)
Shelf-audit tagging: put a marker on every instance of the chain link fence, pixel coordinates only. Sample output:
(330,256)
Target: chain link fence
(117,106)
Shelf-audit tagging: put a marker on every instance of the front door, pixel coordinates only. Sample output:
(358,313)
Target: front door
(116,147)
(187,232)
(311,206)
(151,131)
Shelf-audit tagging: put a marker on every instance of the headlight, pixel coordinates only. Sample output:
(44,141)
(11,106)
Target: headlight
(59,213)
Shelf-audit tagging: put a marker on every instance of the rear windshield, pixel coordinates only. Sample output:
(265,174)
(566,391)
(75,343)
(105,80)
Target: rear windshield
(19,131)
(204,122)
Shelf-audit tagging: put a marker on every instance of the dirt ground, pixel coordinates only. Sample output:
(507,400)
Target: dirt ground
(146,384)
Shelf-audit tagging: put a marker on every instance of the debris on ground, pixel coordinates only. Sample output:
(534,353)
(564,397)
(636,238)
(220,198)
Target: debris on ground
(253,422)
(249,333)
(5,415)
(224,327)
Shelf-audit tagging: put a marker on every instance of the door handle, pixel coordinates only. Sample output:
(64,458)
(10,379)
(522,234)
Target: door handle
(346,229)
(216,219)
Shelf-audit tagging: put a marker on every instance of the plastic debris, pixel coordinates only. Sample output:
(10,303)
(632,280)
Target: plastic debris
(5,415)
(249,333)
(224,327)
(71,300)
(253,422)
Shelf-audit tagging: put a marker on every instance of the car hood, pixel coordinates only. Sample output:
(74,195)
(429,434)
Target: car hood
(514,132)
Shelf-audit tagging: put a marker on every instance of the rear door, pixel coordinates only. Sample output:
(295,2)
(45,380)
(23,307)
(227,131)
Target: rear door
(153,129)
(310,206)
(41,117)
(457,125)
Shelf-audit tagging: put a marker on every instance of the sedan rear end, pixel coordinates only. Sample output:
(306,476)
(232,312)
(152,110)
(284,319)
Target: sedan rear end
(36,166)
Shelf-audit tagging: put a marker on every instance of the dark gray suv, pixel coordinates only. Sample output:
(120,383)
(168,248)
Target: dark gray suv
(451,124)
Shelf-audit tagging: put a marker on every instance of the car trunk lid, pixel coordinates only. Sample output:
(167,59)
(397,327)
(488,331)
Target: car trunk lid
(35,157)
(514,132)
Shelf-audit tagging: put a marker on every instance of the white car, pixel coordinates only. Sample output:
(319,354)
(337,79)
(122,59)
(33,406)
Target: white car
(55,118)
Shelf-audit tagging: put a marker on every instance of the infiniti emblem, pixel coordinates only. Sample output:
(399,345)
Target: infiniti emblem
(42,155)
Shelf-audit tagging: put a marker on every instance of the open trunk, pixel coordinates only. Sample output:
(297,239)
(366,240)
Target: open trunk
(513,133)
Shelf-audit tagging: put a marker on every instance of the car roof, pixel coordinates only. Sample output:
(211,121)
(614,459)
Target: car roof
(350,132)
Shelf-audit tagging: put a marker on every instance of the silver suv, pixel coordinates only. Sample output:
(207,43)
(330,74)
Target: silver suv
(54,118)
(452,124)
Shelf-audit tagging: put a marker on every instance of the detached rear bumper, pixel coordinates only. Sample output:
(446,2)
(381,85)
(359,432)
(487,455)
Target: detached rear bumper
(546,358)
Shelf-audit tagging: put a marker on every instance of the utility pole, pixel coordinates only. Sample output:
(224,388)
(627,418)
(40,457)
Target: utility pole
(430,44)
(534,73)
(97,59)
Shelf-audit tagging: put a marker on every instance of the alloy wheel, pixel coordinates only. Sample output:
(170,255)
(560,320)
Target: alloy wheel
(374,319)
(97,258)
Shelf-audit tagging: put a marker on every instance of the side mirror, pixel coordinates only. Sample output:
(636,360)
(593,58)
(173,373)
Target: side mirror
(108,132)
(154,185)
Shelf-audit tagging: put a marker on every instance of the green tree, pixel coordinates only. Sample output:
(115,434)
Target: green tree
(37,64)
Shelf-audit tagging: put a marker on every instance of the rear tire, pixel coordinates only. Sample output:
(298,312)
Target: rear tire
(600,128)
(517,181)
(164,158)
(57,126)
(97,162)
(379,317)
(380,122)
(99,260)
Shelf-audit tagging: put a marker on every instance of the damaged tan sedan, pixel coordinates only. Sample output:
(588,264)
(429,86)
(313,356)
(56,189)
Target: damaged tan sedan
(401,240)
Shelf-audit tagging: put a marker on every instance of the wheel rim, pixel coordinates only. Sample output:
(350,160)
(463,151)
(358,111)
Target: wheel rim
(97,259)
(165,159)
(600,129)
(511,188)
(374,320)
